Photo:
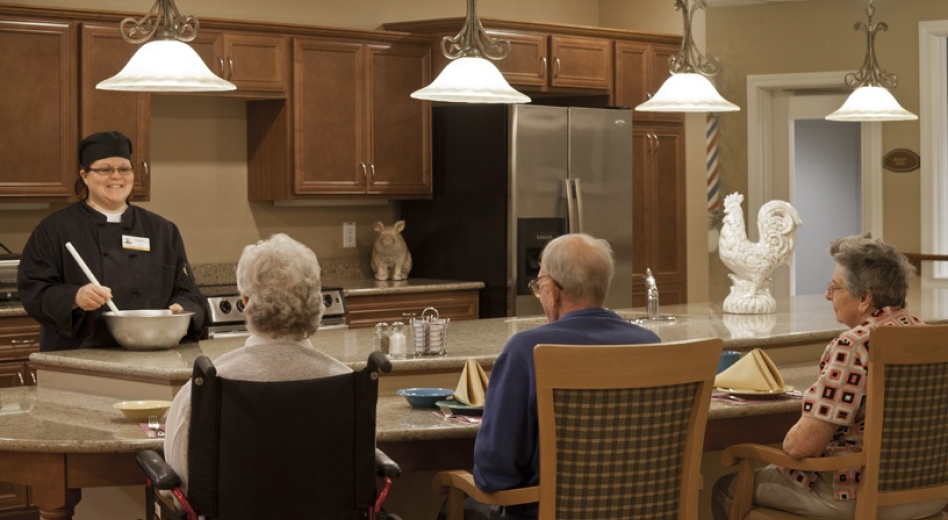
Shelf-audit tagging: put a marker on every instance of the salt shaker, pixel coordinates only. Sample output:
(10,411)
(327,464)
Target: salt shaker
(397,342)
(380,343)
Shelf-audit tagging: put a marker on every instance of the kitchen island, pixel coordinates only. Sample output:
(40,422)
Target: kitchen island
(799,321)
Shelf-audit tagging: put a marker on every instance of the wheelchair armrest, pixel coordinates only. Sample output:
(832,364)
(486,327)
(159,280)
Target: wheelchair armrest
(385,466)
(379,361)
(158,470)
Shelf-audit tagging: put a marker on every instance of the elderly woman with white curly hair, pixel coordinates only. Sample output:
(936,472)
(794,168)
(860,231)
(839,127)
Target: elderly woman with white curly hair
(279,279)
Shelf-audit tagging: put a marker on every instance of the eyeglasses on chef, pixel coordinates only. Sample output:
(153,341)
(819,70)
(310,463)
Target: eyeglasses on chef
(109,170)
(534,284)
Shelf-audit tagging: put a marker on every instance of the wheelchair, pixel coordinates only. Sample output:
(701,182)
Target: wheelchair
(268,450)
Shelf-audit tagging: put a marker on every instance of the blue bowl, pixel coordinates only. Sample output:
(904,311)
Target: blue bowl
(424,397)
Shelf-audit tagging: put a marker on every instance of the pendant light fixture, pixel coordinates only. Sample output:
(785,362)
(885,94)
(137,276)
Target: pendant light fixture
(688,88)
(871,101)
(469,76)
(167,63)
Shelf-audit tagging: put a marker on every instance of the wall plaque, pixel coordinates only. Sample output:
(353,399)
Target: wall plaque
(901,160)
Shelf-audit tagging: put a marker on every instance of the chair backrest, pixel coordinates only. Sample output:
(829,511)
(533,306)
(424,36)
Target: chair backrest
(906,436)
(289,449)
(622,428)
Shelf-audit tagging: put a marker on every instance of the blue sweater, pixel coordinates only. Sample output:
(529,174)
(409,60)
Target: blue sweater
(507,449)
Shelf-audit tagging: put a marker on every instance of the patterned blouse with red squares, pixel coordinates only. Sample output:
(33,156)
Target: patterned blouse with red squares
(838,394)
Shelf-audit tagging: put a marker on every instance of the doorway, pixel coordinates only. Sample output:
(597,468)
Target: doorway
(820,167)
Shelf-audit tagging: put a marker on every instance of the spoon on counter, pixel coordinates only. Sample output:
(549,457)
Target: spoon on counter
(89,275)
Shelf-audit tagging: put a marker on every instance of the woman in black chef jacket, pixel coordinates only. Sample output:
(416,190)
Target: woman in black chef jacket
(136,255)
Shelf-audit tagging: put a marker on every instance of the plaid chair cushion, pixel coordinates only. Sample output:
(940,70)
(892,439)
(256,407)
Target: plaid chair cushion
(620,451)
(915,429)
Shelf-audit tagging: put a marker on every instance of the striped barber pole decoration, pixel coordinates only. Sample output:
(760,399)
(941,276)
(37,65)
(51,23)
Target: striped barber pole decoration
(711,135)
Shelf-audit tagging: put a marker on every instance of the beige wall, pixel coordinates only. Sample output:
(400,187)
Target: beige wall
(199,145)
(818,36)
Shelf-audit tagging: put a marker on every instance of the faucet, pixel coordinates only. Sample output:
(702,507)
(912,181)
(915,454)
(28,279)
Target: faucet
(651,296)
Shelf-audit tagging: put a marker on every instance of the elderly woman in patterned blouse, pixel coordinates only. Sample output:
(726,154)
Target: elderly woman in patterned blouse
(868,290)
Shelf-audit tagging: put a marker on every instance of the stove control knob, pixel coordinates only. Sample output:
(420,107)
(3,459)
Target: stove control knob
(327,300)
(225,307)
(240,305)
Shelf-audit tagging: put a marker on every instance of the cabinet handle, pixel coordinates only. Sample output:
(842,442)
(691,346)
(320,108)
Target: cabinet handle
(364,173)
(372,166)
(33,376)
(22,381)
(23,341)
(556,68)
(230,66)
(220,62)
(657,142)
(146,173)
(542,66)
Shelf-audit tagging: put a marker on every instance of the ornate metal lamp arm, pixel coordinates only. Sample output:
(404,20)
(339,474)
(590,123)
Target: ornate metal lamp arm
(690,59)
(473,41)
(870,74)
(162,22)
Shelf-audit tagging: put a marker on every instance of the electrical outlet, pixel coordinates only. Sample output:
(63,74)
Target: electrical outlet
(348,234)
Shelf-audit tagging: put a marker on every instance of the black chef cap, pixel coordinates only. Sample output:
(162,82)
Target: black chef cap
(102,145)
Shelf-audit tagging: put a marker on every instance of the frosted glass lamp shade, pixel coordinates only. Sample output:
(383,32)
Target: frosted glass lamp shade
(470,80)
(687,92)
(871,104)
(166,66)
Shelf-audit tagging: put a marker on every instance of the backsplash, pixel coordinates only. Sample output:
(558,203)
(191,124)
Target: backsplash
(212,275)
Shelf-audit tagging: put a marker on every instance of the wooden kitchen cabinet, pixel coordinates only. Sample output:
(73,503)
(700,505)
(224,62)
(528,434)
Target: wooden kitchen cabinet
(103,54)
(354,129)
(37,109)
(258,64)
(364,311)
(658,211)
(641,69)
(545,61)
(19,337)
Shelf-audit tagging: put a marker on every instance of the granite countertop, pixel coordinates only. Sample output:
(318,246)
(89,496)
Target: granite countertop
(799,321)
(54,421)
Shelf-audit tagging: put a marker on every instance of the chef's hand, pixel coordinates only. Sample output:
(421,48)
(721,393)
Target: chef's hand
(91,296)
(175,307)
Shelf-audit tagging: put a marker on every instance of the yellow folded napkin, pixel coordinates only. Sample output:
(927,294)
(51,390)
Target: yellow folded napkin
(472,388)
(754,371)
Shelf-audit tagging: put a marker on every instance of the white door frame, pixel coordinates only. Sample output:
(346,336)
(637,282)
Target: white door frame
(933,123)
(760,143)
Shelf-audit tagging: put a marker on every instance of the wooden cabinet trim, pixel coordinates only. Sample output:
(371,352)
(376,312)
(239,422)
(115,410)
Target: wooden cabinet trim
(366,311)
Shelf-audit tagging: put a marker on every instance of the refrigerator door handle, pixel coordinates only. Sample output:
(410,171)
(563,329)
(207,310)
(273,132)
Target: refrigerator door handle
(579,206)
(570,207)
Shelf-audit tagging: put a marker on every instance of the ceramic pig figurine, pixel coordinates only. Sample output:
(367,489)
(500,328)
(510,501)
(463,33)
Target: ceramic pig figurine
(390,252)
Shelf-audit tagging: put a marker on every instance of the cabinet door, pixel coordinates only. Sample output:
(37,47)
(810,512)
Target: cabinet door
(37,109)
(329,117)
(398,127)
(581,62)
(366,311)
(104,53)
(254,62)
(527,64)
(641,69)
(15,503)
(658,211)
(658,73)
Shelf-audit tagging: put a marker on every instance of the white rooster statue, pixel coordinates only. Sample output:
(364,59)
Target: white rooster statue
(753,263)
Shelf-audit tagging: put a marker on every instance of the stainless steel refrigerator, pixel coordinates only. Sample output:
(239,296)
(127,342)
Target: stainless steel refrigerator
(507,180)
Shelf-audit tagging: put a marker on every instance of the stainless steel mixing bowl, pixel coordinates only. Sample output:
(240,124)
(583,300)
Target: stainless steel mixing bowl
(148,329)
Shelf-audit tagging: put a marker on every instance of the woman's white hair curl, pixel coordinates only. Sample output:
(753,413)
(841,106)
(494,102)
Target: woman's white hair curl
(281,278)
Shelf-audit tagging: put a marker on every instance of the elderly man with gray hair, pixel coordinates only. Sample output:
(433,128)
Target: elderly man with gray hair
(279,279)
(574,277)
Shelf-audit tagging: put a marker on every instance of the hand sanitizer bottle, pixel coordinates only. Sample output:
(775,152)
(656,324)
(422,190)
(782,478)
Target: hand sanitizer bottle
(651,296)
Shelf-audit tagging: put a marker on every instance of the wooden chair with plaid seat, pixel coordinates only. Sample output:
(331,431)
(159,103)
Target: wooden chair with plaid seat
(621,433)
(905,445)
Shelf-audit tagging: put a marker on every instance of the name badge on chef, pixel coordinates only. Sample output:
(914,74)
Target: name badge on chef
(136,243)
